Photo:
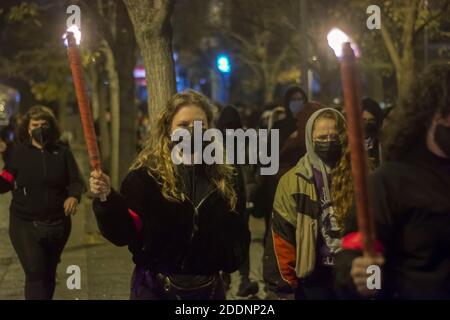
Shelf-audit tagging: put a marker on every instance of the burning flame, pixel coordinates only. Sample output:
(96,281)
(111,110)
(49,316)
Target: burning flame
(76,33)
(336,38)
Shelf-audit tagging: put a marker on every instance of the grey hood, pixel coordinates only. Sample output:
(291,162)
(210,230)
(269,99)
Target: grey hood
(314,159)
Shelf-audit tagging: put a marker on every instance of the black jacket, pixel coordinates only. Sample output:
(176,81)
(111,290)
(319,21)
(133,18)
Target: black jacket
(168,242)
(41,180)
(411,207)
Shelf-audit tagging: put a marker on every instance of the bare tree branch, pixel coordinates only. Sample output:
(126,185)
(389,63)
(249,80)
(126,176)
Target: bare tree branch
(95,10)
(434,17)
(279,60)
(410,22)
(390,45)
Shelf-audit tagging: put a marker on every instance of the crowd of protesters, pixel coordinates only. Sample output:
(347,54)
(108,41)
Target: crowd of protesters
(187,226)
(312,245)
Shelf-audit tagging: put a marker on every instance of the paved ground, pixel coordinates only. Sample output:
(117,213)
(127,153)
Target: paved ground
(105,269)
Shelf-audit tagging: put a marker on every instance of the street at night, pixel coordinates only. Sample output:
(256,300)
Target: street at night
(237,158)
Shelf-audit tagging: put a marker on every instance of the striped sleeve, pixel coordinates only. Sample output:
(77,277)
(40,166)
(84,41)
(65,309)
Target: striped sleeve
(284,219)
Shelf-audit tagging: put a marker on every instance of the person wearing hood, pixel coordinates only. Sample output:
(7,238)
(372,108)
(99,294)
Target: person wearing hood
(295,146)
(46,187)
(229,118)
(294,101)
(308,212)
(373,121)
(277,114)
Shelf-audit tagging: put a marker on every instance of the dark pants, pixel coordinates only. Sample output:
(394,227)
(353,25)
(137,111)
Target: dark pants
(39,251)
(244,269)
(145,286)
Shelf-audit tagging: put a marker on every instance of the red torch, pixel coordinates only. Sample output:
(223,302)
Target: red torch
(345,49)
(72,37)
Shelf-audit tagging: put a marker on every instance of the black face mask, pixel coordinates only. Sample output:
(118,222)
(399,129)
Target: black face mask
(370,128)
(329,152)
(442,137)
(41,134)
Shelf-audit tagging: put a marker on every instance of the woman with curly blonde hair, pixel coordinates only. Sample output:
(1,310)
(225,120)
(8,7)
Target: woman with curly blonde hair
(182,223)
(310,204)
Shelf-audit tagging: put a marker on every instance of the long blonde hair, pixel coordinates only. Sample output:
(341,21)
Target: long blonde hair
(156,155)
(341,176)
(342,181)
(342,184)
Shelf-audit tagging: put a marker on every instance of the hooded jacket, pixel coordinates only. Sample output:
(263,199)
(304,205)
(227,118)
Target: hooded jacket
(295,220)
(373,145)
(229,118)
(295,146)
(287,125)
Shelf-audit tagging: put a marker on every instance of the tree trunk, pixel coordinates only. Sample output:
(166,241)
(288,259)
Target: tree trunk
(267,77)
(93,81)
(405,76)
(99,103)
(62,112)
(153,30)
(114,92)
(269,89)
(104,128)
(402,55)
(125,55)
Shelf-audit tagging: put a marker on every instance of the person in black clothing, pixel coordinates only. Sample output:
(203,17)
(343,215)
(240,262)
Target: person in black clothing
(411,202)
(182,223)
(293,102)
(230,118)
(46,189)
(373,121)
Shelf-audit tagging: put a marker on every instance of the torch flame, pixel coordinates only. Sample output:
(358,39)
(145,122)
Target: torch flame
(76,33)
(336,38)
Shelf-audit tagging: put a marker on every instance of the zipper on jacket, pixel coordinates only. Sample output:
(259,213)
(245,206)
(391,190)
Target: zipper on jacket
(196,209)
(195,216)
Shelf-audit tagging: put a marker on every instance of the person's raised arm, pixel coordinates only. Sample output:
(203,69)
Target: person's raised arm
(118,217)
